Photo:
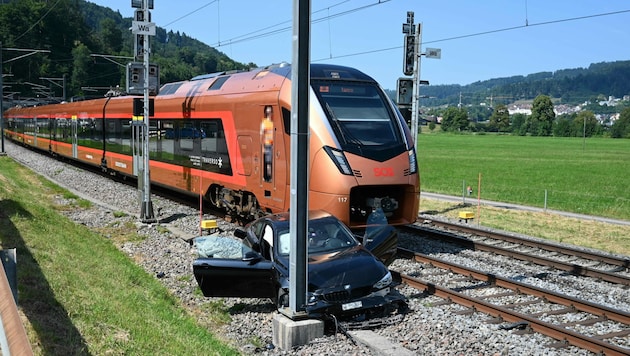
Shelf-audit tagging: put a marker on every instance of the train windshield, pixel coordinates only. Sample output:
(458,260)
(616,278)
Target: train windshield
(361,117)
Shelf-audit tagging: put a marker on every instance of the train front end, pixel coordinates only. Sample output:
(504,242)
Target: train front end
(362,153)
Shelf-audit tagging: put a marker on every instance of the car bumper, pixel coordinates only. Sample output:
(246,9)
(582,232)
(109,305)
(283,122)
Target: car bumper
(373,305)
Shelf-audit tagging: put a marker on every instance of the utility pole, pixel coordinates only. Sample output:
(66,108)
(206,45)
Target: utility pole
(300,85)
(62,85)
(30,53)
(142,28)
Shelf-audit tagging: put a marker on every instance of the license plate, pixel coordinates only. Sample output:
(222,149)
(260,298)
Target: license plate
(351,305)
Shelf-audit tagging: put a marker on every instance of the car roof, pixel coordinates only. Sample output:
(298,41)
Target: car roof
(312,215)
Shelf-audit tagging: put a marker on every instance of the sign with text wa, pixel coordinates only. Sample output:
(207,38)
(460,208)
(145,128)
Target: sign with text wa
(143,28)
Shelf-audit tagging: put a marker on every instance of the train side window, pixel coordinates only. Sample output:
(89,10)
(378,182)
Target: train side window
(118,133)
(286,118)
(124,136)
(167,136)
(214,149)
(43,129)
(87,133)
(64,132)
(155,139)
(188,133)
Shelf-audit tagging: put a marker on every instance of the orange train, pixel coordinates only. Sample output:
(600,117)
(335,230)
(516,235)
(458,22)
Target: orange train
(227,136)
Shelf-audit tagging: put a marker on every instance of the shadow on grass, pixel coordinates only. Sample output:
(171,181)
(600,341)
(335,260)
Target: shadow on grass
(49,319)
(450,208)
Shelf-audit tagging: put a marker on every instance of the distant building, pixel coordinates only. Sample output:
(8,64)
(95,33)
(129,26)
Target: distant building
(520,109)
(612,101)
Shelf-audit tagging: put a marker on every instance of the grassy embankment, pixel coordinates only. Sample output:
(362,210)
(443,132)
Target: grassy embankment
(587,177)
(78,293)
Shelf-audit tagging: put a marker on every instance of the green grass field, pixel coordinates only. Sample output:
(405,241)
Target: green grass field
(81,295)
(584,176)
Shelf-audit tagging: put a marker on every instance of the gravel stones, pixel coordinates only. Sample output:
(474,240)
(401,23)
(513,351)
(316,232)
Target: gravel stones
(430,327)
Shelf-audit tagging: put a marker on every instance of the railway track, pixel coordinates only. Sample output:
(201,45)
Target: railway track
(508,301)
(574,260)
(463,332)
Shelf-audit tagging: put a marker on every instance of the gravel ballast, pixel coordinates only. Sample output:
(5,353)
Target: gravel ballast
(428,328)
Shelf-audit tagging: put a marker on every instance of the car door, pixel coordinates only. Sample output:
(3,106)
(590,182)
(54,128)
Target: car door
(247,277)
(381,239)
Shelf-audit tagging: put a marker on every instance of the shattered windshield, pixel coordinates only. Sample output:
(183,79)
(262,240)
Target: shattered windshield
(324,236)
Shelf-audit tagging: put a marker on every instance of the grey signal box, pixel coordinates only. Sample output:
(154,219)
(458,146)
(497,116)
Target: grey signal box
(405,91)
(135,78)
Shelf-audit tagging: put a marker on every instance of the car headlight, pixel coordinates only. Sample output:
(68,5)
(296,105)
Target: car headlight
(311,298)
(384,282)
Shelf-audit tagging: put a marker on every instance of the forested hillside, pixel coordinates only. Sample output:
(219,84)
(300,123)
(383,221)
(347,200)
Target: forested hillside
(572,86)
(76,35)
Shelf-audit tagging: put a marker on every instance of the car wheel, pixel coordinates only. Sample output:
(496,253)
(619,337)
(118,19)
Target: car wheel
(282,300)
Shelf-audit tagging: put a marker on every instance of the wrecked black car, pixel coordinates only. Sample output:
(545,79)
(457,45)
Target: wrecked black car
(346,278)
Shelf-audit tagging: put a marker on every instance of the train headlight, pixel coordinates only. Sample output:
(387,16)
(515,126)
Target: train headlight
(340,160)
(413,163)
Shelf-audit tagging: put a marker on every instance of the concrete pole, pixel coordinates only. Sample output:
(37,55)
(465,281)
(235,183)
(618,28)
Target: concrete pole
(300,90)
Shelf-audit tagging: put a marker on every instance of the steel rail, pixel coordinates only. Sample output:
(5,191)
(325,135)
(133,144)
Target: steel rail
(572,268)
(621,262)
(594,344)
(550,296)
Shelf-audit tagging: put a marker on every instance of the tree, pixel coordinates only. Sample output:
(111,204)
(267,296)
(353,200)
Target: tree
(500,119)
(80,69)
(454,119)
(562,126)
(621,127)
(542,117)
(111,35)
(585,124)
(518,124)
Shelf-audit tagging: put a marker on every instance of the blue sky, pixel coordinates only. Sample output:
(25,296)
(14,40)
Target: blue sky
(479,40)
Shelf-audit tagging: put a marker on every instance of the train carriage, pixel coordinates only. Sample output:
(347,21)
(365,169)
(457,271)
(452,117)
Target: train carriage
(227,136)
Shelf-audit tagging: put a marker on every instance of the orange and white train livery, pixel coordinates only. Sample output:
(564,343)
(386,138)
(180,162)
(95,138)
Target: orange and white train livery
(226,136)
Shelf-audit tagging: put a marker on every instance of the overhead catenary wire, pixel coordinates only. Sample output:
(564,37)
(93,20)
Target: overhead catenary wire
(257,34)
(36,22)
(266,31)
(481,33)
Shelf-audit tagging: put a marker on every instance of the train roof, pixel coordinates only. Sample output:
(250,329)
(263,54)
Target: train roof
(216,81)
(254,79)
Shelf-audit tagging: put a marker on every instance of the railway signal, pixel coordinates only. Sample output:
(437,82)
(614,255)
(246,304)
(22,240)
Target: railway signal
(410,54)
(139,82)
(405,91)
(411,66)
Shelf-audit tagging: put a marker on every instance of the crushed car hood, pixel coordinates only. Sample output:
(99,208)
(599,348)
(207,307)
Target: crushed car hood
(360,268)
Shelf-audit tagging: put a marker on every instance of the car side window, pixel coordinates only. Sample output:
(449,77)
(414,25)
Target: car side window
(284,243)
(257,229)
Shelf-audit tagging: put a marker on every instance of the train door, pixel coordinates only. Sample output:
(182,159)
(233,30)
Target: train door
(74,135)
(34,131)
(273,161)
(244,165)
(52,129)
